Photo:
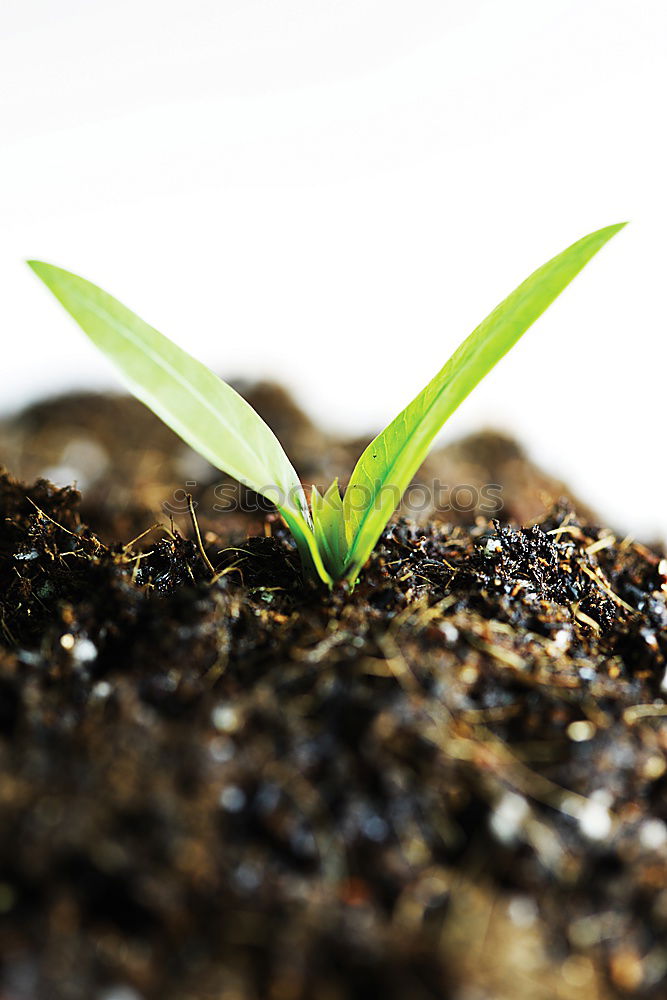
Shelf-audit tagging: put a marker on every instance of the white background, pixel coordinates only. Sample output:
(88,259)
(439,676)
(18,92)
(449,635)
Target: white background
(334,193)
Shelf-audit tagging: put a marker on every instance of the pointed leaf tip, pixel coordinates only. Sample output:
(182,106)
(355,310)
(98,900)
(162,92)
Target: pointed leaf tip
(386,467)
(204,411)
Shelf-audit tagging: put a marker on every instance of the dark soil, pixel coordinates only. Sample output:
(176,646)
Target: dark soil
(448,785)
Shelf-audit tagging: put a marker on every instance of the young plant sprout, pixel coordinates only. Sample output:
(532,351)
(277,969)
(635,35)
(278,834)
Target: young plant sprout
(337,535)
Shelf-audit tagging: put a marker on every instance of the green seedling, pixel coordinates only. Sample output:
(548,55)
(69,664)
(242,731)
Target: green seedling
(337,534)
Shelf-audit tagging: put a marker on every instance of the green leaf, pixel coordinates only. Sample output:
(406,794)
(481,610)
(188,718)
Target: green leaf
(330,528)
(388,465)
(202,409)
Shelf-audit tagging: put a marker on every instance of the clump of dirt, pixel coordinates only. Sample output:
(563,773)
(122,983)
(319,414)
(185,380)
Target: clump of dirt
(450,783)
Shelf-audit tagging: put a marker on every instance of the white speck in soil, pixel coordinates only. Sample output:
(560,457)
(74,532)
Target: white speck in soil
(522,911)
(225,719)
(653,834)
(595,819)
(509,816)
(375,828)
(102,689)
(247,877)
(83,651)
(232,799)
(450,632)
(581,731)
(493,547)
(86,460)
(562,638)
